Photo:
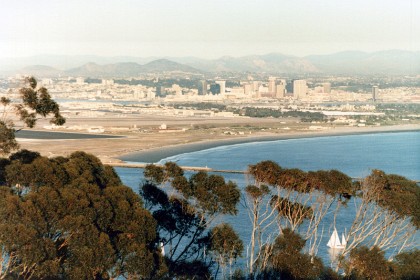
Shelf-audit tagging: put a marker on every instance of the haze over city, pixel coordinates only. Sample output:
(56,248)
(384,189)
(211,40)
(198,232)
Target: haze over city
(191,139)
(206,29)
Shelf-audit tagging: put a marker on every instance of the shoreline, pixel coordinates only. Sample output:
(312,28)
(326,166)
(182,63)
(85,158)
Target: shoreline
(154,155)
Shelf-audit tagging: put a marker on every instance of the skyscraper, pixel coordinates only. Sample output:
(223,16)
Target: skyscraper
(247,89)
(160,91)
(299,89)
(375,91)
(281,89)
(222,85)
(272,85)
(203,87)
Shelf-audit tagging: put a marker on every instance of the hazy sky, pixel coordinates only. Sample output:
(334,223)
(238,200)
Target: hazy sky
(208,29)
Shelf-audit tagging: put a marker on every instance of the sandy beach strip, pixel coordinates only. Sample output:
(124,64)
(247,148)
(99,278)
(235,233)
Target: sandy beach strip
(154,155)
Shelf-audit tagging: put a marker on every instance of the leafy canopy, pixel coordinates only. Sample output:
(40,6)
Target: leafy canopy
(73,219)
(34,102)
(185,213)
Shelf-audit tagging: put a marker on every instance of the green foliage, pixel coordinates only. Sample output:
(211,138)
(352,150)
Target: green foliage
(24,156)
(288,241)
(154,173)
(293,179)
(407,265)
(182,185)
(257,192)
(40,172)
(74,221)
(213,195)
(71,218)
(267,112)
(365,263)
(33,102)
(173,170)
(177,221)
(8,142)
(331,182)
(298,196)
(153,196)
(37,102)
(396,194)
(293,210)
(3,163)
(286,261)
(184,218)
(225,243)
(265,172)
(85,168)
(195,269)
(289,197)
(202,106)
(398,110)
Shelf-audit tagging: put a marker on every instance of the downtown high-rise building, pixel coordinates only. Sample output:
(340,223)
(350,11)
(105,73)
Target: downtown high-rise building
(276,87)
(272,85)
(222,85)
(299,89)
(375,91)
(203,88)
(281,88)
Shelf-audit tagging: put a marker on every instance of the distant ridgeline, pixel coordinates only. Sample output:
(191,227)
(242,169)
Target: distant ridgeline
(395,62)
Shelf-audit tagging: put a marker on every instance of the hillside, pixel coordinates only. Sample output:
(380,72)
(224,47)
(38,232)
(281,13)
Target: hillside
(392,62)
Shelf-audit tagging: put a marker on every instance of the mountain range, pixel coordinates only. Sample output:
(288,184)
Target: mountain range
(392,62)
(129,69)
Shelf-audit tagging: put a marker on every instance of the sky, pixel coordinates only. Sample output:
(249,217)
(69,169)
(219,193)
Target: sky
(206,29)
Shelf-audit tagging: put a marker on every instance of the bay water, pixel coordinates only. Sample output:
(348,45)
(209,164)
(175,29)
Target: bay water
(354,155)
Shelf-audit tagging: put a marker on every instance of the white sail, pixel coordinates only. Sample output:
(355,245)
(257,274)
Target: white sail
(343,240)
(334,241)
(162,249)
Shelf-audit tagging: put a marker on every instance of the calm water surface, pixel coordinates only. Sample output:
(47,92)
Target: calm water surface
(355,155)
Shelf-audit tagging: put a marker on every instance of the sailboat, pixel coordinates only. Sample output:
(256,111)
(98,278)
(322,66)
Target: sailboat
(343,240)
(334,241)
(162,248)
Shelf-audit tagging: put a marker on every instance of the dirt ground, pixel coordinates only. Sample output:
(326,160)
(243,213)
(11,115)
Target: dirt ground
(142,133)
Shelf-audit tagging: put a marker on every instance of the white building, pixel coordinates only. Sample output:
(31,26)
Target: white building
(299,89)
(222,85)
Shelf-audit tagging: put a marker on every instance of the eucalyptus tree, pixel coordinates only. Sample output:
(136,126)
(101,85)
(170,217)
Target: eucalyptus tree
(387,215)
(33,102)
(226,246)
(289,199)
(287,260)
(371,263)
(386,219)
(186,209)
(73,219)
(365,263)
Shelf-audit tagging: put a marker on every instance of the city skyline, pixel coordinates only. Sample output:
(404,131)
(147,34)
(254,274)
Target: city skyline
(206,29)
